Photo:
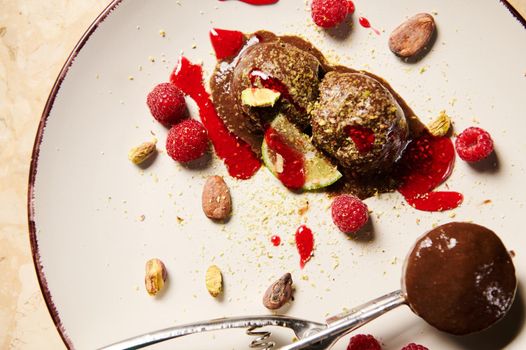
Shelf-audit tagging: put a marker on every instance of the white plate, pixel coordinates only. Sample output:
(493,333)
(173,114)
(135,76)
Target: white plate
(86,197)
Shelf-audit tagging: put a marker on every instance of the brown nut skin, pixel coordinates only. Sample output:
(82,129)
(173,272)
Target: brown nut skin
(279,293)
(216,199)
(411,38)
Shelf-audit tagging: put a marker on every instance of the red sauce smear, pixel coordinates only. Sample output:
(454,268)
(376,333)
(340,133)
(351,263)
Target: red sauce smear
(239,159)
(226,43)
(275,240)
(305,244)
(362,137)
(293,173)
(427,162)
(258,2)
(364,22)
(273,84)
(351,7)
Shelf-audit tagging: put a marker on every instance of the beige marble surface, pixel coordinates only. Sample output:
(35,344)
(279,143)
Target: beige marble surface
(36,37)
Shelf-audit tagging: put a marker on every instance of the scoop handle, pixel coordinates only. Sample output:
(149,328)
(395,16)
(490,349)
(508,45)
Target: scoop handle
(341,324)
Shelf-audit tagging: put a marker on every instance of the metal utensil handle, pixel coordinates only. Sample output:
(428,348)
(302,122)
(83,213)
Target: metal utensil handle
(206,326)
(344,323)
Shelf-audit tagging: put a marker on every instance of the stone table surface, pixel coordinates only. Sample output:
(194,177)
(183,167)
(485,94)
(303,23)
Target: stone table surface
(36,37)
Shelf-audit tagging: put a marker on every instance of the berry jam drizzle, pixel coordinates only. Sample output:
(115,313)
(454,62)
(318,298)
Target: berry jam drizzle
(305,244)
(362,137)
(275,240)
(258,2)
(273,84)
(226,43)
(364,22)
(427,162)
(237,155)
(293,173)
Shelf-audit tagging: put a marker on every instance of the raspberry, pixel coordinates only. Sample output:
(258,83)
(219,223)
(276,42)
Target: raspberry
(187,141)
(414,346)
(364,342)
(474,144)
(167,104)
(329,13)
(349,213)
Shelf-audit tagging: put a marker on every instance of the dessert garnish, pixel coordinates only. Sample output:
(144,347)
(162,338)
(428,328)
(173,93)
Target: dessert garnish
(440,125)
(141,153)
(290,156)
(216,199)
(412,37)
(278,293)
(155,277)
(187,141)
(330,13)
(363,342)
(304,244)
(259,97)
(349,213)
(214,281)
(426,163)
(460,278)
(167,104)
(474,144)
(413,346)
(275,240)
(226,43)
(364,22)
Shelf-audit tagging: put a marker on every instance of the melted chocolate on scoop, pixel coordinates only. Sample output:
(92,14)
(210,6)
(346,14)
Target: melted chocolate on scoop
(459,277)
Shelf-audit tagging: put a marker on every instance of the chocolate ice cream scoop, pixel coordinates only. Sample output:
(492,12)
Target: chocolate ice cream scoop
(359,123)
(460,278)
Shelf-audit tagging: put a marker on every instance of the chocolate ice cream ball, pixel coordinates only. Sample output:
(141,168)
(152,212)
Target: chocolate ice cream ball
(284,68)
(359,123)
(460,278)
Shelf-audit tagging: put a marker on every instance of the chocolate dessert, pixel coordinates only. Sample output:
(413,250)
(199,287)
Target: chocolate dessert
(355,118)
(359,123)
(460,278)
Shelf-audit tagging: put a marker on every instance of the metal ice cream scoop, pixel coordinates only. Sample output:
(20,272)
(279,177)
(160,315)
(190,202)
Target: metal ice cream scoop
(452,262)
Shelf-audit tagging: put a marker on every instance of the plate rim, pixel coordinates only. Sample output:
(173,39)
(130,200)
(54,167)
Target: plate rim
(36,151)
(42,281)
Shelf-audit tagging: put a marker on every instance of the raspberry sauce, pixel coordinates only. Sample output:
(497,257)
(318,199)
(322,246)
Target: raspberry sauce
(305,244)
(364,22)
(239,159)
(258,2)
(272,83)
(292,174)
(275,240)
(226,43)
(427,162)
(362,137)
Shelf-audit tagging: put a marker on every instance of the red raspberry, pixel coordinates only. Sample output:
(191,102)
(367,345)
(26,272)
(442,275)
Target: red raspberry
(349,213)
(474,144)
(187,141)
(167,104)
(329,13)
(414,346)
(364,342)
